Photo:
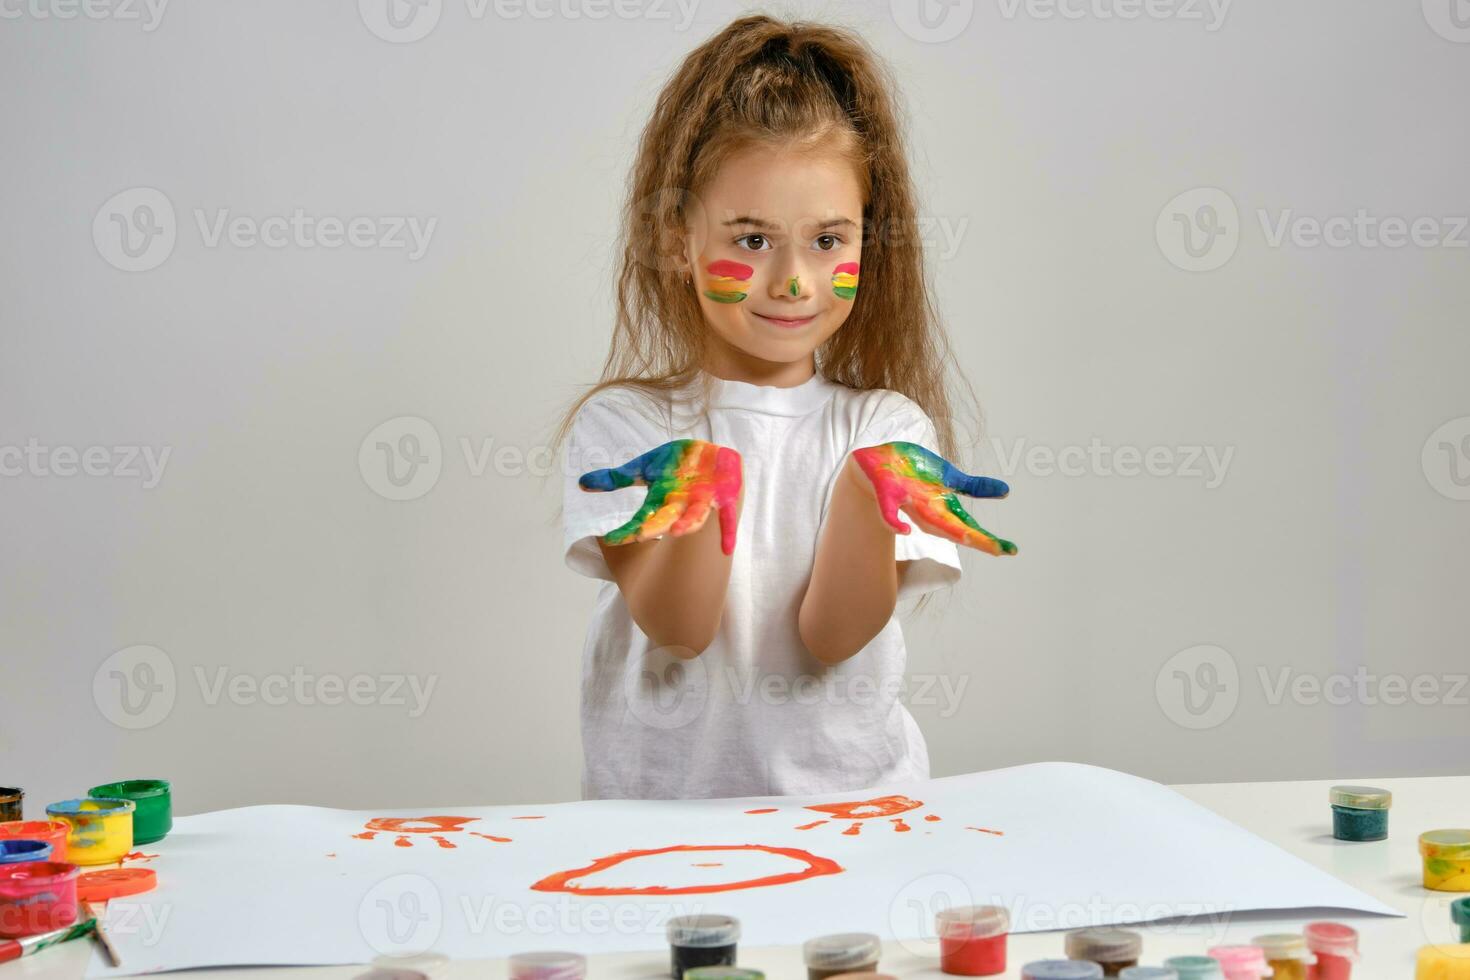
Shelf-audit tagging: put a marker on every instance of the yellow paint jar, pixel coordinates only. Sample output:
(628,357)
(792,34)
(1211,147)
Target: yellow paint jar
(1443,962)
(1446,856)
(1287,954)
(101,829)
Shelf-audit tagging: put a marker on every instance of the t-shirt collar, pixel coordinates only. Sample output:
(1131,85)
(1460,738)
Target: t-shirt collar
(796,400)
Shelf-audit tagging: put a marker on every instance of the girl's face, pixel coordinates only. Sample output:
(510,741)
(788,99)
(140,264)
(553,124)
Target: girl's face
(773,249)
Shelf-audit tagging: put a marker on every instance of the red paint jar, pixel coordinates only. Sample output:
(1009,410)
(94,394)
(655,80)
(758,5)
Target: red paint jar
(37,897)
(972,940)
(1336,948)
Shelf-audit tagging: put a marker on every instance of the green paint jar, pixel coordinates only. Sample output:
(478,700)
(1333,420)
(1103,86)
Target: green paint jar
(1359,813)
(1460,913)
(154,816)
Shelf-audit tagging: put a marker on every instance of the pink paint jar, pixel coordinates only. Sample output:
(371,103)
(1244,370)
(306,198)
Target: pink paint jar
(1242,962)
(972,940)
(37,897)
(1336,948)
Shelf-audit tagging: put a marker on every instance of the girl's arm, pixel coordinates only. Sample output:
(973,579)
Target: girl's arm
(670,560)
(855,577)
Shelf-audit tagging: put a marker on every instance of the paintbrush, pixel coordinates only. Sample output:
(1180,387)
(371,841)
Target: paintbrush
(14,949)
(103,939)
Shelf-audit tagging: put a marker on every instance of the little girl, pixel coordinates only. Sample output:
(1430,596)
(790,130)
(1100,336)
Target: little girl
(760,424)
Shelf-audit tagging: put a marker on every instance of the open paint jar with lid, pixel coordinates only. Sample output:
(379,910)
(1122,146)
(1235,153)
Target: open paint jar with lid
(1287,953)
(101,830)
(1446,856)
(1336,948)
(1195,967)
(548,966)
(37,897)
(1111,949)
(153,817)
(1359,813)
(52,832)
(702,940)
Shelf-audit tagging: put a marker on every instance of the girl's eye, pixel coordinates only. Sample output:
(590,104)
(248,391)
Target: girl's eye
(832,242)
(759,240)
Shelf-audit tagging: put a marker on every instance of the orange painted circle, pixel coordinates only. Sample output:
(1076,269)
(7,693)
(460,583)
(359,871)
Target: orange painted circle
(814,867)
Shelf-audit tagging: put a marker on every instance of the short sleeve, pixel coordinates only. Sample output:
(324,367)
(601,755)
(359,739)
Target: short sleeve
(934,560)
(607,431)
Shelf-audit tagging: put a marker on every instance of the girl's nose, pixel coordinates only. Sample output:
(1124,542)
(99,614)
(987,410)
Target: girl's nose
(792,283)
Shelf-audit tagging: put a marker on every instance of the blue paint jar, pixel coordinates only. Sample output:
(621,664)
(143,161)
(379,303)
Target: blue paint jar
(18,851)
(1195,967)
(1359,813)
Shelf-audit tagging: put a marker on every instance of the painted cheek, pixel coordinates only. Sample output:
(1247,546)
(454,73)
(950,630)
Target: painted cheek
(845,280)
(727,281)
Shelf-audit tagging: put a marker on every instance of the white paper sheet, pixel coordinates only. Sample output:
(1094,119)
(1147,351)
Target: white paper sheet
(1060,845)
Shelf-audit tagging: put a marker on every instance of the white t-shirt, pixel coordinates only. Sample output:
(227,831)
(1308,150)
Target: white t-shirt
(755,714)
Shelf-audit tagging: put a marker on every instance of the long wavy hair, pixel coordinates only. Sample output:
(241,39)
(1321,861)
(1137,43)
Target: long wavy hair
(767,82)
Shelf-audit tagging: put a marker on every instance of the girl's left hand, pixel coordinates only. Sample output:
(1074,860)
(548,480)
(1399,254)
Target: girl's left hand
(905,475)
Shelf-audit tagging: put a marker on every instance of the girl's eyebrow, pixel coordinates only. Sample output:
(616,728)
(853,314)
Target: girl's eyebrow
(767,225)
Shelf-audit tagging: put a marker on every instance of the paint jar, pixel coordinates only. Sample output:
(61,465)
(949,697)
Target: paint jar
(37,897)
(1242,962)
(53,832)
(1443,963)
(1195,967)
(1061,970)
(1149,973)
(548,966)
(12,802)
(153,817)
(1287,953)
(972,940)
(1359,813)
(22,851)
(101,830)
(701,940)
(1336,948)
(723,973)
(1446,856)
(1111,949)
(843,952)
(1460,915)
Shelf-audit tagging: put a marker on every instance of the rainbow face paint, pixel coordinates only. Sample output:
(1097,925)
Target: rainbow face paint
(904,474)
(793,286)
(686,478)
(101,830)
(729,282)
(845,280)
(153,818)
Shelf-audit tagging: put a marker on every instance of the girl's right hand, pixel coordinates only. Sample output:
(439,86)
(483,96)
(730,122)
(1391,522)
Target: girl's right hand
(686,478)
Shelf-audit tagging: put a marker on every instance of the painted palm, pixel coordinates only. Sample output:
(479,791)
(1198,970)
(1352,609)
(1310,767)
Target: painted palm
(906,475)
(686,479)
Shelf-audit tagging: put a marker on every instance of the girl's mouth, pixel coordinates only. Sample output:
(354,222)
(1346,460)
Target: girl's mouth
(787,322)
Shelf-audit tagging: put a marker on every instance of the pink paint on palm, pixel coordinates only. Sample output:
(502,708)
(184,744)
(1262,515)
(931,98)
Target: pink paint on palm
(904,474)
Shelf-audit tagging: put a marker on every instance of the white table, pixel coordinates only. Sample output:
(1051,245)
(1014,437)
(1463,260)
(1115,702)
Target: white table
(1293,815)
